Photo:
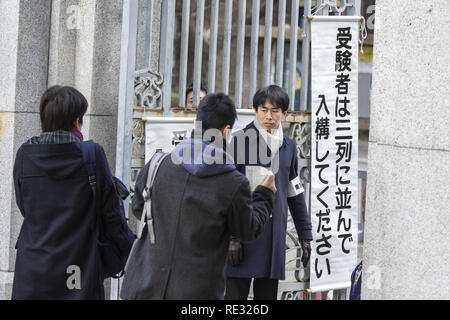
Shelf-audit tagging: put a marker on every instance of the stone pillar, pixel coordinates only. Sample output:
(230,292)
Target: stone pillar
(65,21)
(406,253)
(43,43)
(24,38)
(85,53)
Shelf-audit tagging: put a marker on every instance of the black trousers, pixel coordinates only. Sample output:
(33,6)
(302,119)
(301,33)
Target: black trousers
(263,289)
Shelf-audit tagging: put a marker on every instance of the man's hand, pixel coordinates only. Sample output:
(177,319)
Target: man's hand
(269,181)
(306,251)
(235,252)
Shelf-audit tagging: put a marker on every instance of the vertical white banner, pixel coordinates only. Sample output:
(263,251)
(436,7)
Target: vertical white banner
(334,151)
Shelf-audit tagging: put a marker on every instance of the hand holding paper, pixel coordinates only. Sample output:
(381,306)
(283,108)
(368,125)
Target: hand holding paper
(269,181)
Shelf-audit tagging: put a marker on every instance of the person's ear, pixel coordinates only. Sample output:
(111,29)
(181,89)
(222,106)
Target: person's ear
(285,114)
(77,124)
(226,131)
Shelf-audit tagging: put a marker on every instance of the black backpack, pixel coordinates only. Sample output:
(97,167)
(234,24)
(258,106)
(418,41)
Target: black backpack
(113,259)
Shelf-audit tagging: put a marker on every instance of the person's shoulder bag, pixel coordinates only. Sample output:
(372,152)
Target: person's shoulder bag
(135,283)
(146,217)
(113,259)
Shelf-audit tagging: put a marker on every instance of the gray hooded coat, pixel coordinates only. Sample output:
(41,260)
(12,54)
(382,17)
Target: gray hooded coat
(195,207)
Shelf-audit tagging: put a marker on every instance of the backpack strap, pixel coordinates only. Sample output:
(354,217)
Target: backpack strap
(88,151)
(146,217)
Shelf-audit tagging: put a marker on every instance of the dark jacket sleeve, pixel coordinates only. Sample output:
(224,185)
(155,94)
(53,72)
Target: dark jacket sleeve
(137,202)
(299,212)
(297,206)
(17,176)
(248,213)
(110,203)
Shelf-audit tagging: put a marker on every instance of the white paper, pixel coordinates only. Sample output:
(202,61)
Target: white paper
(255,175)
(161,133)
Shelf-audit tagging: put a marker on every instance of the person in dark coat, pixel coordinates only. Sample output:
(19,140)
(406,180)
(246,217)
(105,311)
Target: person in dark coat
(260,146)
(57,254)
(197,201)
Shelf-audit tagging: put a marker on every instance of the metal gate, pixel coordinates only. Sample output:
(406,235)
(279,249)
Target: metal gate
(168,44)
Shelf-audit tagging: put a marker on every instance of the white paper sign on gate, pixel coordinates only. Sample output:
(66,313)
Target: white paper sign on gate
(164,133)
(334,151)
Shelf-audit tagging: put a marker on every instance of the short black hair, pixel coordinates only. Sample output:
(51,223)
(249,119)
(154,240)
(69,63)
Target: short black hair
(60,107)
(277,96)
(216,111)
(191,88)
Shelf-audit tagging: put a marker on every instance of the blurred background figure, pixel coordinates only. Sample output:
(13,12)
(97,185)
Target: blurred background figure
(190,94)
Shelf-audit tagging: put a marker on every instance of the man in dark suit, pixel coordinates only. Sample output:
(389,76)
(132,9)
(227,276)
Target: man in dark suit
(257,148)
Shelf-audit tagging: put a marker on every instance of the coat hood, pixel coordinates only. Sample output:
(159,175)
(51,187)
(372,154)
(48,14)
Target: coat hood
(202,158)
(59,162)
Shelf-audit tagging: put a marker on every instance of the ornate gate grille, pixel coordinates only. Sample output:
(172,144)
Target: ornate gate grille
(168,44)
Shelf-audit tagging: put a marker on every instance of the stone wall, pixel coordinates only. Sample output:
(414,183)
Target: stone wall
(66,42)
(24,28)
(408,192)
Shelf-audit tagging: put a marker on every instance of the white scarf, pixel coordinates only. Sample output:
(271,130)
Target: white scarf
(274,139)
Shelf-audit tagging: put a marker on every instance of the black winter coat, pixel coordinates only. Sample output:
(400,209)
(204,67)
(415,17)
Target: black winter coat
(56,238)
(266,257)
(195,208)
